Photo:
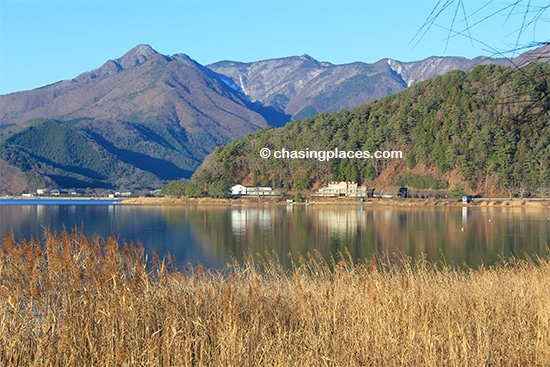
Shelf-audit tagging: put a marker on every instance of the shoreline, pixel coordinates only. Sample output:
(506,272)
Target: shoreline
(253,201)
(45,200)
(482,202)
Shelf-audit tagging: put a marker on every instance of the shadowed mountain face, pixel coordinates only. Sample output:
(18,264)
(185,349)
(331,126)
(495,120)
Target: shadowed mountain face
(159,116)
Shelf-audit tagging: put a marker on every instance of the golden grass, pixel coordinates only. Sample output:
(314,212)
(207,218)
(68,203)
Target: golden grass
(80,301)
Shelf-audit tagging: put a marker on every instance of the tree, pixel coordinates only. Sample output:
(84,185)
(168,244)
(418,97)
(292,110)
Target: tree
(457,192)
(521,30)
(301,180)
(174,189)
(218,189)
(193,190)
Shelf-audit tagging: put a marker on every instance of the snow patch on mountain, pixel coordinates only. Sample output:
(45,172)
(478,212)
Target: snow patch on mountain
(401,69)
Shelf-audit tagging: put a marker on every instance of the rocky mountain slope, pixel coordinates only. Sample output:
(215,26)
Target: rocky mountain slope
(302,86)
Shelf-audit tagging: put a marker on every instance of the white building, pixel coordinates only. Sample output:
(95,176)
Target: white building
(342,189)
(240,190)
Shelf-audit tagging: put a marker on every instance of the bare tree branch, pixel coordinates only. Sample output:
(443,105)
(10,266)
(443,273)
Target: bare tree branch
(530,16)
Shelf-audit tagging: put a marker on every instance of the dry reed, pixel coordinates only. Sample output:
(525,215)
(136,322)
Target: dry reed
(71,300)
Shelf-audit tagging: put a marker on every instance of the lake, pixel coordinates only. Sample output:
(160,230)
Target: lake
(215,234)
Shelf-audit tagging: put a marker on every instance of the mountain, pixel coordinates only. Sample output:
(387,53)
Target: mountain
(142,86)
(159,116)
(486,131)
(303,87)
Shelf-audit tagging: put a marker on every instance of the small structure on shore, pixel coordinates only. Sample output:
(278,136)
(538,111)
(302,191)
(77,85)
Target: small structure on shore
(392,192)
(126,193)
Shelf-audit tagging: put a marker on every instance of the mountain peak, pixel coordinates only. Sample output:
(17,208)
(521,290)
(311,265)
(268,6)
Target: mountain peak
(144,49)
(307,57)
(136,56)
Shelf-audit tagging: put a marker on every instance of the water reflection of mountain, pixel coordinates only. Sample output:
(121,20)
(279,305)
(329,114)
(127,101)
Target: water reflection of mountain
(215,234)
(452,234)
(291,230)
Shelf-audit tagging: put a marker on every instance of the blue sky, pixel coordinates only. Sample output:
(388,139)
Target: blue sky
(45,41)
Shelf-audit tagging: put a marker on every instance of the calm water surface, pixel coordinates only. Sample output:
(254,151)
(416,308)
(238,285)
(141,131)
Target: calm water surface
(214,235)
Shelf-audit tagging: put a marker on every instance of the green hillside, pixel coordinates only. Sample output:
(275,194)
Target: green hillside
(486,131)
(75,155)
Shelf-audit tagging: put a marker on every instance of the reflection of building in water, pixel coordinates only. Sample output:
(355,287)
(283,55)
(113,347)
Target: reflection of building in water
(243,219)
(339,221)
(41,213)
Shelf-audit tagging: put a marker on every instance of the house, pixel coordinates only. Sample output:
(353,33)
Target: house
(342,189)
(356,191)
(240,190)
(334,189)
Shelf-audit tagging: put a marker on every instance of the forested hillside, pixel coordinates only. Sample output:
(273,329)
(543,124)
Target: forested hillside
(485,131)
(49,150)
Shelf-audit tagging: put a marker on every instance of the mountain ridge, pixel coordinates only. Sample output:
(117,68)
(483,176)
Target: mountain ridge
(288,84)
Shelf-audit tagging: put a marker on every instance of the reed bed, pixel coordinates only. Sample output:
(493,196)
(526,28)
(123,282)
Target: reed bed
(71,300)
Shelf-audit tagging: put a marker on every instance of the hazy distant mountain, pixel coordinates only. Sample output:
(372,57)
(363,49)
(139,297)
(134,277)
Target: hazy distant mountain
(302,86)
(158,116)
